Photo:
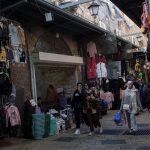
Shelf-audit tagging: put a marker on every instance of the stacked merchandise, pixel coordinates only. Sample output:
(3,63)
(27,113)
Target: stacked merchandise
(38,124)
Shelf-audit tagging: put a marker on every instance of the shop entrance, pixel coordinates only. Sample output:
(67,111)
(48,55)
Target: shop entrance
(60,76)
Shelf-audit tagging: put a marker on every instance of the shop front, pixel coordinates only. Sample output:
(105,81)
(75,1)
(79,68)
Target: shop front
(54,56)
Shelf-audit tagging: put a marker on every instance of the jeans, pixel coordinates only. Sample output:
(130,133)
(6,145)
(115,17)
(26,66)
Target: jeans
(131,121)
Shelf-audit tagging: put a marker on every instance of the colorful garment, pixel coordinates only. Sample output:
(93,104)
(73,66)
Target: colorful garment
(2,54)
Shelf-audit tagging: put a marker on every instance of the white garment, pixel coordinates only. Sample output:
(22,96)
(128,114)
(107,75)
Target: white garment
(16,55)
(101,70)
(13,35)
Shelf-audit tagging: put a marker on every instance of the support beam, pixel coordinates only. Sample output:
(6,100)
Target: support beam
(13,6)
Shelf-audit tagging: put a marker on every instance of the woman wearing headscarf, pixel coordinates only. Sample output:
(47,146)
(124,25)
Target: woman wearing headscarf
(130,105)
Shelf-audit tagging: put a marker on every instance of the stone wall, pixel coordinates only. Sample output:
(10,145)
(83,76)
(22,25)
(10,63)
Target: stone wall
(37,41)
(59,77)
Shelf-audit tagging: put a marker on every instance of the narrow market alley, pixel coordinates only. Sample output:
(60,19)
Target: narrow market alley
(110,139)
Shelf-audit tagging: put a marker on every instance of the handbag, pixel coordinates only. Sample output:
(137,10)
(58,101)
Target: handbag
(126,106)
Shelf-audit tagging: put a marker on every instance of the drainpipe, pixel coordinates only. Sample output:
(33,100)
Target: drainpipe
(33,78)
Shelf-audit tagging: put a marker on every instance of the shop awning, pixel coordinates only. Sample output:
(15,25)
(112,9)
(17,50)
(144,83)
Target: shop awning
(43,57)
(63,20)
(132,8)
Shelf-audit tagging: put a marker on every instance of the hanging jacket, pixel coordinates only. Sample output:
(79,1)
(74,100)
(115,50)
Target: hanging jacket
(144,16)
(91,68)
(101,70)
(91,49)
(2,54)
(21,35)
(12,115)
(13,35)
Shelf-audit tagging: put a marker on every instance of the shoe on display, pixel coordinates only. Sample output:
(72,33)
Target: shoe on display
(77,132)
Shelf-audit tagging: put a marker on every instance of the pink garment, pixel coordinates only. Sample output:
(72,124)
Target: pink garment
(91,49)
(144,17)
(102,96)
(12,114)
(109,98)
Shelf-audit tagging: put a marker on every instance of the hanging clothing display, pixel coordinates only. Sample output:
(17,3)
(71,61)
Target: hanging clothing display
(101,70)
(91,49)
(21,35)
(2,54)
(4,32)
(91,68)
(9,53)
(13,35)
(12,115)
(144,16)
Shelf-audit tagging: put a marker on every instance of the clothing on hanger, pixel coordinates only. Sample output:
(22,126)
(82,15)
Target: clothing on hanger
(91,49)
(2,54)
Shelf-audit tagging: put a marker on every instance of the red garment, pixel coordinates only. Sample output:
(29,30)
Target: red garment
(91,68)
(101,59)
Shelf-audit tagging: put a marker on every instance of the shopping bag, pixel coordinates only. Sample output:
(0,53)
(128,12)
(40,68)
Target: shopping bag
(118,117)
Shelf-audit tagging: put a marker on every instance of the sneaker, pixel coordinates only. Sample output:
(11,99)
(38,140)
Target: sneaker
(90,134)
(77,132)
(100,130)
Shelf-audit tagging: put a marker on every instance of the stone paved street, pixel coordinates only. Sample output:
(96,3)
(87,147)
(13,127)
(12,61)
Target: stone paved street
(68,141)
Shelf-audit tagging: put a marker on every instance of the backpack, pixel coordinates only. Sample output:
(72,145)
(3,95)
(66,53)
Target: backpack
(117,117)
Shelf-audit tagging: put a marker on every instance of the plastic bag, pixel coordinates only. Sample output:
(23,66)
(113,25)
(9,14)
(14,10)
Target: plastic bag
(118,117)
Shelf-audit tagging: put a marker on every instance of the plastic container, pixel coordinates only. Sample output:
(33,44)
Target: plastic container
(53,126)
(47,125)
(38,126)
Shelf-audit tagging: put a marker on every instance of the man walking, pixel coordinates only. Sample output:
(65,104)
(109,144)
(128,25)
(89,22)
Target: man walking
(77,106)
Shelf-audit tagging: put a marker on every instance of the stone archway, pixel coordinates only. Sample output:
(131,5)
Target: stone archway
(48,42)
